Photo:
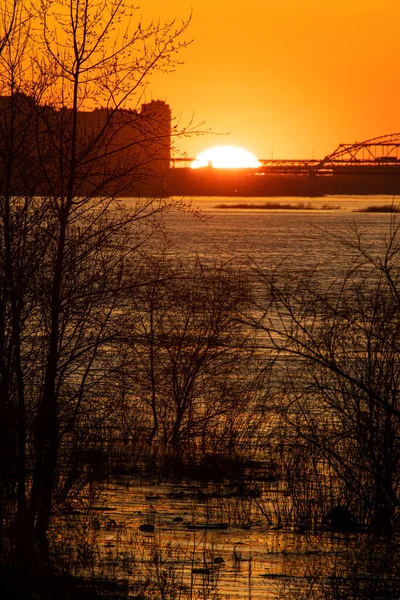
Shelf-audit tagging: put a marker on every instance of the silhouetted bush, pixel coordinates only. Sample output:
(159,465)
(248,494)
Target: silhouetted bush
(337,379)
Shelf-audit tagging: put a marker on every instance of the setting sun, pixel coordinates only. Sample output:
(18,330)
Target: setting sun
(226,157)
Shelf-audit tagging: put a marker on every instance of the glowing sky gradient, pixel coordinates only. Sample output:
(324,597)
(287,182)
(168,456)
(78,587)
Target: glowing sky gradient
(288,79)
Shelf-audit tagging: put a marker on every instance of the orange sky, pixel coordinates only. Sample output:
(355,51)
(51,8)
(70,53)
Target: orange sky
(288,78)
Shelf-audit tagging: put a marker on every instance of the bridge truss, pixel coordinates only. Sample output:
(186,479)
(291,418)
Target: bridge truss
(379,154)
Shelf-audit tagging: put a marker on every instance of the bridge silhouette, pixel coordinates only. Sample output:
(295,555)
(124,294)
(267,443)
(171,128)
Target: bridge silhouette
(375,156)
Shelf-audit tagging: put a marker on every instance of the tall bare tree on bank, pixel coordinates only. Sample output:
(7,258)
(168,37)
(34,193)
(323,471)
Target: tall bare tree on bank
(20,250)
(337,378)
(68,256)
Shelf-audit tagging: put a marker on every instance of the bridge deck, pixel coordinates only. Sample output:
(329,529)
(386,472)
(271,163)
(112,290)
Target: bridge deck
(328,166)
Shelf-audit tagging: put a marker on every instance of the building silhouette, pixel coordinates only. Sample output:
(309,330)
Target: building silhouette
(125,152)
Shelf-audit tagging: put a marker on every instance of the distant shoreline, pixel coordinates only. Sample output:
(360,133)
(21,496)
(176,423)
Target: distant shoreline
(277,206)
(386,208)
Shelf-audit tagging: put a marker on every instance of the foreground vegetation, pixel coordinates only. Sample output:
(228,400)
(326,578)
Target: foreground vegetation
(116,359)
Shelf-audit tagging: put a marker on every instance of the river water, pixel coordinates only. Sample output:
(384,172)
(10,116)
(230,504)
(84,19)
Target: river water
(303,237)
(202,541)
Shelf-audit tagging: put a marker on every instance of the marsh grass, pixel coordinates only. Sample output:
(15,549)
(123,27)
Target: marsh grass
(183,559)
(93,548)
(368,569)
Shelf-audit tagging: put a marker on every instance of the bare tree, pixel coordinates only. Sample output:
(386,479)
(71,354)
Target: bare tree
(189,381)
(68,256)
(21,247)
(337,376)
